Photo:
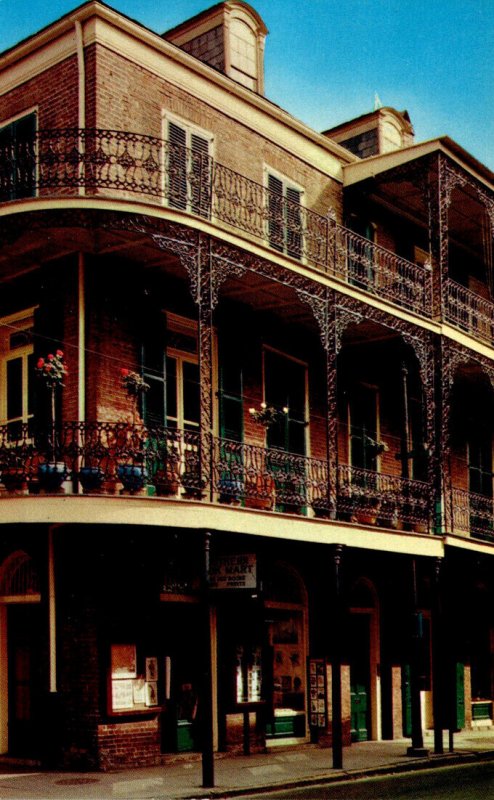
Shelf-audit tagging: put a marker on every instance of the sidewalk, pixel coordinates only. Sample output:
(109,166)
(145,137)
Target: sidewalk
(240,775)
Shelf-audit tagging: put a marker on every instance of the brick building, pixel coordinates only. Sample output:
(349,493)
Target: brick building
(246,399)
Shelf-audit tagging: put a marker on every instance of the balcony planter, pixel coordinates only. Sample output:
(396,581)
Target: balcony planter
(91,479)
(230,490)
(14,479)
(260,492)
(132,477)
(193,486)
(166,482)
(322,508)
(51,475)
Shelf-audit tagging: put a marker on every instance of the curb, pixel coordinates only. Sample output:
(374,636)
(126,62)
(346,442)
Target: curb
(347,776)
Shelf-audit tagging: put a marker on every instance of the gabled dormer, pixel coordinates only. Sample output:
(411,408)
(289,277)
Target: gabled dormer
(229,37)
(380,131)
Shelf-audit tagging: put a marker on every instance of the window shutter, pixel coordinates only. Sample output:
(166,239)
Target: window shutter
(200,175)
(177,166)
(293,222)
(275,208)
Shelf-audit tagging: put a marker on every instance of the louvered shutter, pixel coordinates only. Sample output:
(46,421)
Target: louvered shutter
(293,222)
(177,166)
(200,175)
(275,209)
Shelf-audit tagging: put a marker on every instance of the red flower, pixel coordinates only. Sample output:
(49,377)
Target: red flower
(124,372)
(41,363)
(50,356)
(48,367)
(60,353)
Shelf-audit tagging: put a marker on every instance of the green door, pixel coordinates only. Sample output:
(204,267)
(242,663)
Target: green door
(460,696)
(359,647)
(406,698)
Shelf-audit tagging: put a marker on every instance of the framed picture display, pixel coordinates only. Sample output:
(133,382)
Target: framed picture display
(151,669)
(151,693)
(122,692)
(123,661)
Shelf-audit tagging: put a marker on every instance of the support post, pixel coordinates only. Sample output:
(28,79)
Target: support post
(417,747)
(337,725)
(207,732)
(437,660)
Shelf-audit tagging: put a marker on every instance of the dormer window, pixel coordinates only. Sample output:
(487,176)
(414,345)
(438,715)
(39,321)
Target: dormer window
(229,37)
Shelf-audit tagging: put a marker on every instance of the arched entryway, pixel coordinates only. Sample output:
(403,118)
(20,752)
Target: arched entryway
(20,656)
(363,658)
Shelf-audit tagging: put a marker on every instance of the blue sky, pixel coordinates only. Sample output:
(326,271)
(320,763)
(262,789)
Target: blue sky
(326,59)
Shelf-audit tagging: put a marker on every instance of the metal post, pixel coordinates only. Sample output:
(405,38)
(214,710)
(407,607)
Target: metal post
(417,748)
(437,661)
(337,726)
(207,734)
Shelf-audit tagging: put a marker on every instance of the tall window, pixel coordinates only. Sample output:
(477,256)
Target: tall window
(285,387)
(173,377)
(17,158)
(363,412)
(284,216)
(16,372)
(188,168)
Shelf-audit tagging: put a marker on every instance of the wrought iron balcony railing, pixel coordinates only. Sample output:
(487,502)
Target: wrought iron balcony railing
(115,457)
(101,163)
(469,312)
(472,513)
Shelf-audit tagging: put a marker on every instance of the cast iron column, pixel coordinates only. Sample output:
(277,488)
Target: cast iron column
(337,725)
(417,748)
(437,658)
(207,678)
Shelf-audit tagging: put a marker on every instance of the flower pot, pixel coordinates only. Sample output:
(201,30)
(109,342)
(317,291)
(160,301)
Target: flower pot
(166,483)
(132,477)
(51,475)
(91,479)
(14,479)
(230,490)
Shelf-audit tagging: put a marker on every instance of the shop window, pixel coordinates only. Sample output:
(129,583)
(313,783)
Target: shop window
(18,158)
(17,374)
(133,680)
(188,168)
(285,229)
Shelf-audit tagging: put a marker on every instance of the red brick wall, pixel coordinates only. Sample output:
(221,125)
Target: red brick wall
(55,91)
(129,744)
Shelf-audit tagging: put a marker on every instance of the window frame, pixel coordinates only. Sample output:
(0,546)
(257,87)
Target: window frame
(23,321)
(287,185)
(190,129)
(10,121)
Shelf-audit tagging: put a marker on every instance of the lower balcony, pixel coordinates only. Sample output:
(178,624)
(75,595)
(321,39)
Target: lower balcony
(115,458)
(472,514)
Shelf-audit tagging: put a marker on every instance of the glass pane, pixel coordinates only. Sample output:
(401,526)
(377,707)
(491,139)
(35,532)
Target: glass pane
(30,384)
(191,391)
(154,402)
(171,387)
(14,388)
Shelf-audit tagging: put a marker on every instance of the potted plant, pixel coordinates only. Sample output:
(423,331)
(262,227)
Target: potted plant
(321,507)
(52,371)
(133,474)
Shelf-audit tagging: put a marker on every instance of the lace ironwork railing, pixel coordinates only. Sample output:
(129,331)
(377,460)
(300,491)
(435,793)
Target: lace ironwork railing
(375,269)
(473,514)
(470,312)
(109,457)
(267,478)
(103,162)
(387,500)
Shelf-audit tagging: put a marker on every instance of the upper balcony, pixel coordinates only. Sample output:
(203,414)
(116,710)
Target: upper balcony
(111,164)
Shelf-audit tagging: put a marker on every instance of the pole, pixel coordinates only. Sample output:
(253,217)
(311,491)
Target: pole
(337,726)
(207,683)
(437,661)
(417,748)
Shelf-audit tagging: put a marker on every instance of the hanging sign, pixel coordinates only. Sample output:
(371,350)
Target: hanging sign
(237,571)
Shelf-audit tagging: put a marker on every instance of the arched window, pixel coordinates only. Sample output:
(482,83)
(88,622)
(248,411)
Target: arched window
(19,580)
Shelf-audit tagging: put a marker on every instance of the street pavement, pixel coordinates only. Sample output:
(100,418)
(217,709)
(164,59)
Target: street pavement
(240,775)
